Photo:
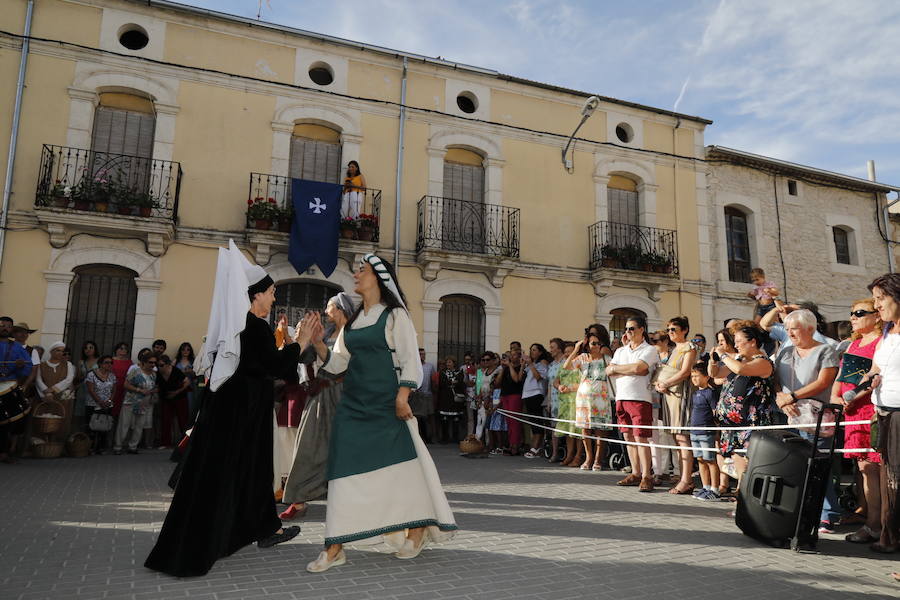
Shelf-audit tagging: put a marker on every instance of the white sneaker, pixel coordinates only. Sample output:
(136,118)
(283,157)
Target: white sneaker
(322,564)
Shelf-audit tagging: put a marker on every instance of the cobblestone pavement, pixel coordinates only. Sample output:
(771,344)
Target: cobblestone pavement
(81,528)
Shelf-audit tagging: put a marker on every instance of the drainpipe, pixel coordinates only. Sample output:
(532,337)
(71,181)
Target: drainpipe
(399,167)
(870,167)
(14,135)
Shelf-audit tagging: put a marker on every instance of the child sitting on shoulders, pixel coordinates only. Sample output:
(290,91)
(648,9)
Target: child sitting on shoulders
(763,292)
(703,406)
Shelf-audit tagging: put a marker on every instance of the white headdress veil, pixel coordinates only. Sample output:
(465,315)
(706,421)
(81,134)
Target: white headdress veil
(385,277)
(228,314)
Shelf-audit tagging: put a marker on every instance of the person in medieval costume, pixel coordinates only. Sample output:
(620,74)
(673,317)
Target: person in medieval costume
(382,483)
(229,455)
(307,480)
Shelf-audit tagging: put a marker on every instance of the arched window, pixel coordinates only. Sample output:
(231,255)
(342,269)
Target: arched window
(315,154)
(460,326)
(737,240)
(122,140)
(102,302)
(295,298)
(620,316)
(842,245)
(463,216)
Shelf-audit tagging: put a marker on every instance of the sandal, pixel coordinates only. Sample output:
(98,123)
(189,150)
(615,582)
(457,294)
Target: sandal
(646,485)
(597,467)
(630,481)
(533,453)
(680,491)
(586,467)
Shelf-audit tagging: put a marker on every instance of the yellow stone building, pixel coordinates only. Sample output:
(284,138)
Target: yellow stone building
(146,126)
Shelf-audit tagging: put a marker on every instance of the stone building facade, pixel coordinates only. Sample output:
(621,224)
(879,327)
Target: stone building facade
(815,233)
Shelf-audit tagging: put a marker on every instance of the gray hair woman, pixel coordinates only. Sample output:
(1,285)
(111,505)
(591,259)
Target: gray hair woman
(806,370)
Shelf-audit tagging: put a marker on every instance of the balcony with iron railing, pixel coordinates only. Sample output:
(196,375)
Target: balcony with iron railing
(269,225)
(467,235)
(633,255)
(81,190)
(633,248)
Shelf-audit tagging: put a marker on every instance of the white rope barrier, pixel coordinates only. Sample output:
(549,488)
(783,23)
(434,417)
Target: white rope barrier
(511,415)
(687,427)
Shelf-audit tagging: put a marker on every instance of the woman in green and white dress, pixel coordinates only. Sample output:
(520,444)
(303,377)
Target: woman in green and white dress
(382,482)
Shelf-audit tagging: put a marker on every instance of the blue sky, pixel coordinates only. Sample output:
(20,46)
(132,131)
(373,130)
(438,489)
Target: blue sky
(814,82)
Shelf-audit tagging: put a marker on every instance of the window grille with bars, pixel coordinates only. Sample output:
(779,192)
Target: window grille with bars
(102,302)
(460,327)
(738,244)
(620,316)
(296,298)
(315,160)
(841,245)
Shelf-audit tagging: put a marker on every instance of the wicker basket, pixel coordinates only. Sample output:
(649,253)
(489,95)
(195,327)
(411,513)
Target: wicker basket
(78,445)
(471,445)
(48,424)
(47,450)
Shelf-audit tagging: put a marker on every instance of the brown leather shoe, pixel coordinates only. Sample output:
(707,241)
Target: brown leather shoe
(646,485)
(630,480)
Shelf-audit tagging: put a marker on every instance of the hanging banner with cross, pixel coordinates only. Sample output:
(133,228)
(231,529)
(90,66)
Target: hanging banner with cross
(314,232)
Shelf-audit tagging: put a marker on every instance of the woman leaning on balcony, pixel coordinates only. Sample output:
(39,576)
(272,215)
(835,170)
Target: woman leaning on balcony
(354,191)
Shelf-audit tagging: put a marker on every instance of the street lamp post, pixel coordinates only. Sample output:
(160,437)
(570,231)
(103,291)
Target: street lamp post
(590,105)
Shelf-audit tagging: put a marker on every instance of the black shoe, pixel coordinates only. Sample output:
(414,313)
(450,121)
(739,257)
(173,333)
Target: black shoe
(130,451)
(287,533)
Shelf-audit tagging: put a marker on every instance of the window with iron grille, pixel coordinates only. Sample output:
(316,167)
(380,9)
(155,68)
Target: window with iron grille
(841,245)
(122,146)
(102,301)
(620,316)
(315,160)
(737,240)
(460,327)
(463,223)
(296,298)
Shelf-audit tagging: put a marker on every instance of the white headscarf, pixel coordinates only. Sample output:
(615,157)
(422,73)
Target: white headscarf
(228,314)
(385,277)
(52,347)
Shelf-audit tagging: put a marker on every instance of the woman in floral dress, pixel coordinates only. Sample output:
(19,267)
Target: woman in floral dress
(566,383)
(748,394)
(592,404)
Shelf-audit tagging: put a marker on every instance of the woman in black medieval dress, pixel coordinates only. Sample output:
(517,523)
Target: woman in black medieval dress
(229,456)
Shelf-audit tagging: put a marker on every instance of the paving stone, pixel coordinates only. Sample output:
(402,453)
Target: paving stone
(528,530)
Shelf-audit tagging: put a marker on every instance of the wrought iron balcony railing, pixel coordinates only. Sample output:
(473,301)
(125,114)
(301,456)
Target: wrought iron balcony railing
(361,206)
(633,247)
(464,226)
(84,180)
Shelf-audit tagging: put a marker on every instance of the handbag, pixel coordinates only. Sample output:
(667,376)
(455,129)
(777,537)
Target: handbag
(101,421)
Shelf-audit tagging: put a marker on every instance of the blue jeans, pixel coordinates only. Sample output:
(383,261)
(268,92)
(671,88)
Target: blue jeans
(831,508)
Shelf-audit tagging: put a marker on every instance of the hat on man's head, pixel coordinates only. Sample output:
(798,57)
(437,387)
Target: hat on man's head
(24,327)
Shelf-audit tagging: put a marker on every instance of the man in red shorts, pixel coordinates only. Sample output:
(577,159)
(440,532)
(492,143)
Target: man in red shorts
(632,365)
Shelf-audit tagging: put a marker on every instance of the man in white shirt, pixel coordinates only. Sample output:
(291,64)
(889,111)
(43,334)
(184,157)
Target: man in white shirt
(632,366)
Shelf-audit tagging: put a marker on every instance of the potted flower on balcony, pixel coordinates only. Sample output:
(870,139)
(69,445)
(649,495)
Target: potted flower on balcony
(285,218)
(59,195)
(144,202)
(367,225)
(262,212)
(631,257)
(348,228)
(124,198)
(609,257)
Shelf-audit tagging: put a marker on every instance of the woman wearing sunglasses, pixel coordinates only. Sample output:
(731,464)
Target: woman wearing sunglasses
(855,363)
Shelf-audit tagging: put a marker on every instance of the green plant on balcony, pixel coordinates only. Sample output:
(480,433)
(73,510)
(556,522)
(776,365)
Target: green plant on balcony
(660,262)
(349,227)
(610,256)
(262,212)
(631,257)
(285,218)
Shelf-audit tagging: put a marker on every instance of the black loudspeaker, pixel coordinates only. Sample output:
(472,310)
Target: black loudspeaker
(781,494)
